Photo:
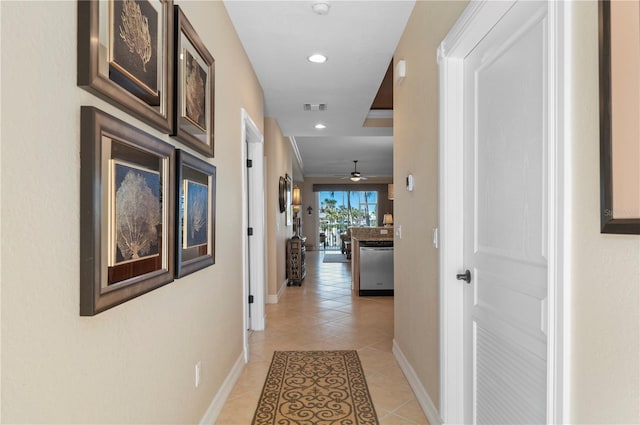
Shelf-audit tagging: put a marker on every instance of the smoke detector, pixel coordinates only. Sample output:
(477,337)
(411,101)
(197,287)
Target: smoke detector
(320,8)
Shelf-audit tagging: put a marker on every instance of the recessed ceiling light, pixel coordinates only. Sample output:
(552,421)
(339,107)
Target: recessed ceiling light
(317,58)
(320,126)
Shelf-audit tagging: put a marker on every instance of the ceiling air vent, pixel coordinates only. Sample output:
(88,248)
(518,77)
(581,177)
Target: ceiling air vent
(315,107)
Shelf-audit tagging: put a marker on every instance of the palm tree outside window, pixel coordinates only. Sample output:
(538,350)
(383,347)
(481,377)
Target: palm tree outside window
(340,210)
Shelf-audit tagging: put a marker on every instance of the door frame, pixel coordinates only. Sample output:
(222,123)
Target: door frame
(470,28)
(253,255)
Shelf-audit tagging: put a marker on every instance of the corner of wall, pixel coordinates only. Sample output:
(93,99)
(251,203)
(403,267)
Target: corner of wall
(279,158)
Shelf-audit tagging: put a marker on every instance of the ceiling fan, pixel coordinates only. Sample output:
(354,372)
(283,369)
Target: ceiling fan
(355,175)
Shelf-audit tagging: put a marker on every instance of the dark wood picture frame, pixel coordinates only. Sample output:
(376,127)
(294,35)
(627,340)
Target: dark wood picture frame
(288,199)
(106,278)
(99,73)
(608,222)
(282,196)
(191,170)
(194,88)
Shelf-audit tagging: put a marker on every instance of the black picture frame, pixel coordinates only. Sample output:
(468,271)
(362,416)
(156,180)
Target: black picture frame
(138,81)
(282,196)
(194,88)
(127,176)
(195,232)
(609,223)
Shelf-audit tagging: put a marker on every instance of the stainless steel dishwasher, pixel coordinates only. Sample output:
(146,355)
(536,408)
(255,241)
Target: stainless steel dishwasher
(376,268)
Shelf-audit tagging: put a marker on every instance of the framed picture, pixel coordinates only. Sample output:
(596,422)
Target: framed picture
(282,194)
(125,56)
(195,213)
(127,207)
(194,88)
(619,43)
(288,212)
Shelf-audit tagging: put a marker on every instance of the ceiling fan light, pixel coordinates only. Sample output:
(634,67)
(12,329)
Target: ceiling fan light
(354,178)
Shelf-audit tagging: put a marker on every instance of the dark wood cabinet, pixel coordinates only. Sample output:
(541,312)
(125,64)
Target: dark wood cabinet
(296,261)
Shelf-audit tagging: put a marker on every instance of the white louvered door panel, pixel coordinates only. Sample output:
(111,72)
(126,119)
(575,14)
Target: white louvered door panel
(505,221)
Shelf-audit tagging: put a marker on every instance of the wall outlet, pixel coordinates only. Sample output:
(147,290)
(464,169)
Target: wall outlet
(399,231)
(198,369)
(384,231)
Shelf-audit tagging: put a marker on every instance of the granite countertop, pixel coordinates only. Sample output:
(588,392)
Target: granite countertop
(372,233)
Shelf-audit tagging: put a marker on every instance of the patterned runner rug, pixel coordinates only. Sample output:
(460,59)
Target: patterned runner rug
(315,388)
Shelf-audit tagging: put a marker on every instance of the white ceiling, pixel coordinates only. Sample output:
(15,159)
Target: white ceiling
(359,38)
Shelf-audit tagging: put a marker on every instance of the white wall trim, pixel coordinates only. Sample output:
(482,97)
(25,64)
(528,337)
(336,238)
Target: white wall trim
(296,152)
(275,298)
(253,147)
(475,21)
(450,225)
(473,24)
(558,316)
(212,413)
(422,396)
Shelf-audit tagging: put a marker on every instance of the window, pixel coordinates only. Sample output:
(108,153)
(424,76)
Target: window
(342,209)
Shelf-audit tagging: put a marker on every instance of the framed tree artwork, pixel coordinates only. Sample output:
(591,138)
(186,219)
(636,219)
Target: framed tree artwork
(125,56)
(194,88)
(127,207)
(619,48)
(195,213)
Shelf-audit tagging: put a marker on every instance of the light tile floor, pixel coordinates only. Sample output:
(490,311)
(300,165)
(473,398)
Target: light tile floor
(323,314)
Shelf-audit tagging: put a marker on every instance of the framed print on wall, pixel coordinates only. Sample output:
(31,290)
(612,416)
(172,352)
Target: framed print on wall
(289,188)
(195,213)
(125,56)
(194,88)
(127,207)
(619,42)
(282,195)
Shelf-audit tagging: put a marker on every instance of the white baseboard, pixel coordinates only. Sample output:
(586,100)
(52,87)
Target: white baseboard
(275,299)
(429,409)
(212,413)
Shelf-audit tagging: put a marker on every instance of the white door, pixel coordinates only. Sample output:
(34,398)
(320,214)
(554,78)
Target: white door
(505,220)
(248,284)
(254,275)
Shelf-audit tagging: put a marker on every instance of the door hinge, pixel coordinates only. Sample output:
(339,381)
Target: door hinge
(250,299)
(249,163)
(250,231)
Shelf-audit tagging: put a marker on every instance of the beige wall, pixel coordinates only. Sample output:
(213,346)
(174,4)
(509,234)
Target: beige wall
(605,351)
(133,363)
(415,151)
(279,157)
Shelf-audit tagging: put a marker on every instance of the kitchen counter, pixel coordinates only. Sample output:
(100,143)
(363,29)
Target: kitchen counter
(359,234)
(372,233)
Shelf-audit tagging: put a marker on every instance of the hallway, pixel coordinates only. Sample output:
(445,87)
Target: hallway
(323,315)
